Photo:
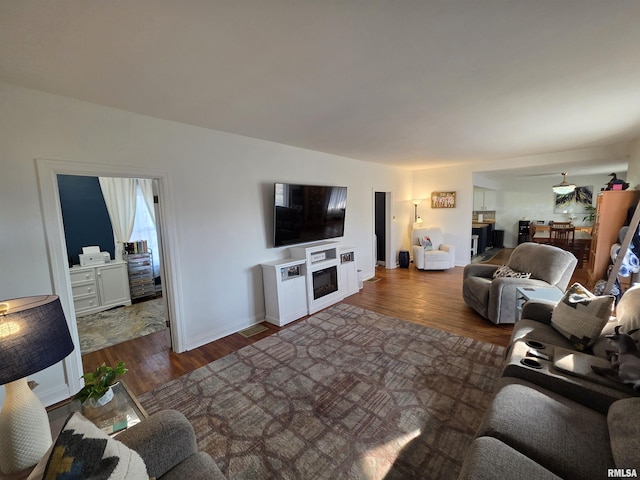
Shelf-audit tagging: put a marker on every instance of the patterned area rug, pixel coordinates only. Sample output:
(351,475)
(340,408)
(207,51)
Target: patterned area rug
(104,329)
(347,393)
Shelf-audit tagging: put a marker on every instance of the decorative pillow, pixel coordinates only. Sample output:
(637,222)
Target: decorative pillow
(426,243)
(83,451)
(504,271)
(580,316)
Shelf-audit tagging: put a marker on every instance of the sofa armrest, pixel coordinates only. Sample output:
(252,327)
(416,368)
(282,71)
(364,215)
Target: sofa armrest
(451,250)
(418,256)
(538,310)
(479,270)
(163,440)
(503,297)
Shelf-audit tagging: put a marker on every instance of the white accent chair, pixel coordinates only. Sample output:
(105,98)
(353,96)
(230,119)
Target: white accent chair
(439,257)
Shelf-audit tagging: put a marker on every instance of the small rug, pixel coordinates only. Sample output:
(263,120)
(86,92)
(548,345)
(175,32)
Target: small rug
(373,280)
(346,393)
(104,329)
(486,255)
(253,330)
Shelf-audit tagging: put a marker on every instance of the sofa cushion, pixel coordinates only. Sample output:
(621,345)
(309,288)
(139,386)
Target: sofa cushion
(624,430)
(526,329)
(504,271)
(490,459)
(82,450)
(580,316)
(567,438)
(545,262)
(628,310)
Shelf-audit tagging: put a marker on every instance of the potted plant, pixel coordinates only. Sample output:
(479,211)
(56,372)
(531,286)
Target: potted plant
(97,385)
(591,213)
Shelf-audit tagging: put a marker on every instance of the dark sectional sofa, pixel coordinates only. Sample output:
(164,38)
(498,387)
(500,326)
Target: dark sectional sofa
(557,419)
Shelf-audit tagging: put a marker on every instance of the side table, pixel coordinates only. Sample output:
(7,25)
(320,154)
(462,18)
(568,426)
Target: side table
(122,412)
(524,294)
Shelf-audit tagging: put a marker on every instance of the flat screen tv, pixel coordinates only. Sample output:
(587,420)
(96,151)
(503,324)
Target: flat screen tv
(308,213)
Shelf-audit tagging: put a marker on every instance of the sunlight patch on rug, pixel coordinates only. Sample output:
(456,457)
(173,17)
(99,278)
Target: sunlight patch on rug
(346,393)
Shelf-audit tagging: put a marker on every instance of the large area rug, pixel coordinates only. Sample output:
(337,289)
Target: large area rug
(104,329)
(345,394)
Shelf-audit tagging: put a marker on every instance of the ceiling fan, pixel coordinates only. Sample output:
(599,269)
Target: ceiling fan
(564,187)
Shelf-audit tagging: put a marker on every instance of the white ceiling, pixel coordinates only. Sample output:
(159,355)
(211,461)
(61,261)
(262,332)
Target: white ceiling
(415,83)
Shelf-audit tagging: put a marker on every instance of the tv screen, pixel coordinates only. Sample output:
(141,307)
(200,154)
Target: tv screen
(308,213)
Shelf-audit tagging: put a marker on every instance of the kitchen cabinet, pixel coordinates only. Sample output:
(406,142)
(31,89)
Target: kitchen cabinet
(482,230)
(484,199)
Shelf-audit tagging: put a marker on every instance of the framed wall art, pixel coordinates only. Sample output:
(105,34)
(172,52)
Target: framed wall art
(574,202)
(443,199)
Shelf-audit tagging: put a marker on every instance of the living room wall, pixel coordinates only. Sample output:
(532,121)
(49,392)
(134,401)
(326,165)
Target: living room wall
(221,189)
(85,216)
(528,197)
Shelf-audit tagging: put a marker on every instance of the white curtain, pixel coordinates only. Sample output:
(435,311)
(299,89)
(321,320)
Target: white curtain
(144,227)
(120,197)
(146,186)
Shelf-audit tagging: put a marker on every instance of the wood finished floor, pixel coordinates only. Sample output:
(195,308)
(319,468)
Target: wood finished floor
(433,299)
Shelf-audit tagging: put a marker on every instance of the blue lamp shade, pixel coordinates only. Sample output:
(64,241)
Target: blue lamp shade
(33,336)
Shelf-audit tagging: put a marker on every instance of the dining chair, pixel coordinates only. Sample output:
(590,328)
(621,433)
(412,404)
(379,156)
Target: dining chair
(562,235)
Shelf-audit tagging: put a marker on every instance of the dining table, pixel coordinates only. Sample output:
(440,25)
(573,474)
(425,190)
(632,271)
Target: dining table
(581,243)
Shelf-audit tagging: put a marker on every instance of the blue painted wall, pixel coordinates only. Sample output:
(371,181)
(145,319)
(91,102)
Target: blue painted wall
(84,214)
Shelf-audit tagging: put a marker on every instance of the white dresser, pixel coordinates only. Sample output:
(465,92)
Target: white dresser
(99,287)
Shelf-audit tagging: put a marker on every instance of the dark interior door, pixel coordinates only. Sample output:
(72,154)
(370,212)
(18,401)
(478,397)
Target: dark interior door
(380,226)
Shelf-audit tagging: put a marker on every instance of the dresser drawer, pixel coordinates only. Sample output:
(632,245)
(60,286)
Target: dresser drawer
(80,276)
(85,303)
(79,291)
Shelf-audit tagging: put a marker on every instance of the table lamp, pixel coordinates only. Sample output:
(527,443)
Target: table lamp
(33,336)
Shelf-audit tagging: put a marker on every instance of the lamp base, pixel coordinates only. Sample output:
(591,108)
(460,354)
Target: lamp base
(25,435)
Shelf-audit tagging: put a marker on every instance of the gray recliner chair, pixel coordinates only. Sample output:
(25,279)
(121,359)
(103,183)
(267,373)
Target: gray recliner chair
(167,444)
(495,299)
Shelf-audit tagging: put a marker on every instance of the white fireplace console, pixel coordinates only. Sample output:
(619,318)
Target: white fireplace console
(315,277)
(322,262)
(284,290)
(348,272)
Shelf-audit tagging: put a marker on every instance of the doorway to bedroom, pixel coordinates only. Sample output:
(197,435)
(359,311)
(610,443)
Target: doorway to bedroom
(99,213)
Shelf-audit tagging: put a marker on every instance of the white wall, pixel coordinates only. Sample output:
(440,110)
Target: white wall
(532,199)
(455,222)
(221,190)
(529,197)
(633,175)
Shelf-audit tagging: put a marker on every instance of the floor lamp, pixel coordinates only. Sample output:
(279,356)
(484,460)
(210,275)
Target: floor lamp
(33,336)
(416,202)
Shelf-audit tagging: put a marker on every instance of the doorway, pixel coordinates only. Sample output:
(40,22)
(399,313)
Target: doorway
(87,222)
(47,171)
(382,228)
